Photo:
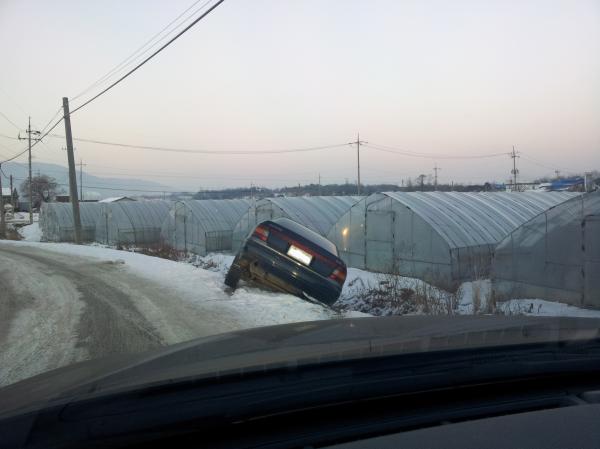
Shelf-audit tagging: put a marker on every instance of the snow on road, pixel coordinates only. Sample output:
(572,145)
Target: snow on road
(200,286)
(61,303)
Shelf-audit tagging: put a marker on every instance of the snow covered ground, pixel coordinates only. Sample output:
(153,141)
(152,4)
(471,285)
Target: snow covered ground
(22,217)
(31,233)
(365,293)
(199,285)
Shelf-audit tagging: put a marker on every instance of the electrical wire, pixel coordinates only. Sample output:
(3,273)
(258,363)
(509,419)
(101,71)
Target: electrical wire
(127,60)
(218,152)
(394,150)
(177,36)
(9,120)
(51,120)
(543,165)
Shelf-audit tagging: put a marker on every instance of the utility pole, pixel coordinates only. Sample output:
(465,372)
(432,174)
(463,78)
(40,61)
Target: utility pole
(81,165)
(2,217)
(514,171)
(435,182)
(72,173)
(557,172)
(30,189)
(12,197)
(319,184)
(358,143)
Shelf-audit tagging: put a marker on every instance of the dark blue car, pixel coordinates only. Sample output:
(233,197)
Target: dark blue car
(286,256)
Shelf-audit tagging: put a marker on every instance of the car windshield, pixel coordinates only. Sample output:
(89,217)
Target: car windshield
(443,159)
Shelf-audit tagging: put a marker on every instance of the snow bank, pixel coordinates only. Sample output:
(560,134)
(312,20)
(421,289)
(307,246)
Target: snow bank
(199,285)
(31,233)
(471,298)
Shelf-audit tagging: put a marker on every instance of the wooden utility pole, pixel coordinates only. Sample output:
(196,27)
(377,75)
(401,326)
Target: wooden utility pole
(358,143)
(72,173)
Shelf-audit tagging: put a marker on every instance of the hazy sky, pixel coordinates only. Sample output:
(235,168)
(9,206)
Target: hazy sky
(444,77)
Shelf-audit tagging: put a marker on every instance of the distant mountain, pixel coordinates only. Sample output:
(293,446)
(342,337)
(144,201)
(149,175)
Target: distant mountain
(106,187)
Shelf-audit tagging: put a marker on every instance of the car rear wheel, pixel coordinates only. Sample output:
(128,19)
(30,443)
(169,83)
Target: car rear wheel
(234,274)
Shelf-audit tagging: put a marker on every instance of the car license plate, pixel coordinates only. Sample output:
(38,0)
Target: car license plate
(300,255)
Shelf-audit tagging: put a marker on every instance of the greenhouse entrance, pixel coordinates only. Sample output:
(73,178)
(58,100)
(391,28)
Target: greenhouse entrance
(380,241)
(591,260)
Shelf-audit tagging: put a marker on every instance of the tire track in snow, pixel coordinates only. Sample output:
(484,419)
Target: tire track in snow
(59,310)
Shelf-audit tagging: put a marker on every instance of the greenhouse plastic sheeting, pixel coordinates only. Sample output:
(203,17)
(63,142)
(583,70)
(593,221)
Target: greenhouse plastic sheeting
(131,222)
(318,213)
(555,256)
(442,237)
(56,221)
(202,226)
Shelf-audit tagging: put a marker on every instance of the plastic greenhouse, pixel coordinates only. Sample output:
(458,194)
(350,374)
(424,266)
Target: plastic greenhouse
(443,238)
(56,221)
(131,222)
(318,213)
(202,226)
(554,256)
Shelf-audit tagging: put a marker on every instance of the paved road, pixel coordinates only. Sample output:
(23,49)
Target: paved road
(58,309)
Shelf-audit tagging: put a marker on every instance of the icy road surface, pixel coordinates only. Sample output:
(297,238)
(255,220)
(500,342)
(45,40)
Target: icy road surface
(62,303)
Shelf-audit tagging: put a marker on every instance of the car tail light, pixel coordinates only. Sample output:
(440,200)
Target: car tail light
(339,275)
(262,232)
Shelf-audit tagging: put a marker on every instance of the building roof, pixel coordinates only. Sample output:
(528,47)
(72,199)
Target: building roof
(116,199)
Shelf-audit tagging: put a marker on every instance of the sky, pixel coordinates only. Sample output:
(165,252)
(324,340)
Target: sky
(440,79)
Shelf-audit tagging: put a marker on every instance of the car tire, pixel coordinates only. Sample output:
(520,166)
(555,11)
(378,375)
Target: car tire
(233,275)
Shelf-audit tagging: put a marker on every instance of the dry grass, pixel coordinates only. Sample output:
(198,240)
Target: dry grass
(158,250)
(391,295)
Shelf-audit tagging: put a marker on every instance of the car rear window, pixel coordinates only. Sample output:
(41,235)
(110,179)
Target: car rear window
(307,234)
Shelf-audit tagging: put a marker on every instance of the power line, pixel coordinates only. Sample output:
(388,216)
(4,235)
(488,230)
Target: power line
(429,156)
(132,56)
(10,121)
(184,150)
(212,8)
(553,168)
(177,36)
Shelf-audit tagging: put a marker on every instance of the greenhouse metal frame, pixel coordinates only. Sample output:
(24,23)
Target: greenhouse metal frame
(57,224)
(554,256)
(444,238)
(202,226)
(318,213)
(131,222)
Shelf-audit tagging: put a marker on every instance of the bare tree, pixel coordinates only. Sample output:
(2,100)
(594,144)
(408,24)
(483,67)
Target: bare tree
(43,188)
